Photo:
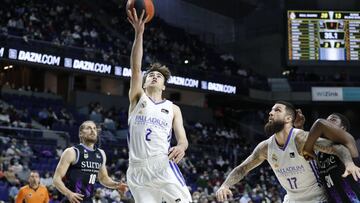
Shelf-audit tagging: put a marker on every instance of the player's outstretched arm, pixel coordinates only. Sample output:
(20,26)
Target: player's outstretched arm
(178,152)
(331,132)
(328,147)
(104,178)
(66,159)
(255,159)
(138,24)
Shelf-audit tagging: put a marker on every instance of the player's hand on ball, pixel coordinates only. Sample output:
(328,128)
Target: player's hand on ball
(223,193)
(137,23)
(352,169)
(122,188)
(75,197)
(176,153)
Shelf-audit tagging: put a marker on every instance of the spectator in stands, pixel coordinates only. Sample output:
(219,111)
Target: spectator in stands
(26,152)
(4,117)
(66,117)
(13,151)
(34,192)
(99,197)
(59,151)
(13,191)
(17,166)
(43,117)
(47,180)
(24,174)
(11,176)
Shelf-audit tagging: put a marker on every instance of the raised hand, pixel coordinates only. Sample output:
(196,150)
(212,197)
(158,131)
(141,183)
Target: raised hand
(137,23)
(299,119)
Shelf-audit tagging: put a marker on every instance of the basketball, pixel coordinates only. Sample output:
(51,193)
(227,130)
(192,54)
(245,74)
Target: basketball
(140,5)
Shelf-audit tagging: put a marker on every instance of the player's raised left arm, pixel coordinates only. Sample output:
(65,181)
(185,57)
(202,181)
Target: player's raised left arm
(178,152)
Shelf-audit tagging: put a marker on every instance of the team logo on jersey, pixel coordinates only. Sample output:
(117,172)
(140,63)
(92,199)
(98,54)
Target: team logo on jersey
(178,200)
(165,111)
(292,154)
(275,160)
(86,155)
(98,156)
(30,194)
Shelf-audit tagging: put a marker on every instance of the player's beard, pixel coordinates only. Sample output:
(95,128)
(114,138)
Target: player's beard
(90,140)
(273,127)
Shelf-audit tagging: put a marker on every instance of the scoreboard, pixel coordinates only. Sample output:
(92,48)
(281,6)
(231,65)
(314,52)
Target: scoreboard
(317,36)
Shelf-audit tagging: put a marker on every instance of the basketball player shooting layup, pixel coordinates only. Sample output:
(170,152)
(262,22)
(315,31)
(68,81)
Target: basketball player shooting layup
(283,151)
(153,175)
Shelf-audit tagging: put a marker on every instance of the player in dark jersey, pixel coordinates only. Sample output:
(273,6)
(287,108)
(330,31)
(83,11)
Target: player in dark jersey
(340,187)
(81,165)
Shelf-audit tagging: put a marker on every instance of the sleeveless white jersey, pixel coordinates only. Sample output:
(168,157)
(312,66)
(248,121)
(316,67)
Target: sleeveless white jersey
(150,129)
(297,176)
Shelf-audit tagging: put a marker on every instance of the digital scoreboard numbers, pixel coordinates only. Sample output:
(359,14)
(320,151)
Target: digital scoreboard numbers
(323,36)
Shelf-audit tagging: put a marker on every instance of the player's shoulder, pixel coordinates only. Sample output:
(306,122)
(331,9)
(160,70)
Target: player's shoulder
(70,149)
(176,108)
(266,143)
(300,134)
(101,151)
(262,148)
(69,154)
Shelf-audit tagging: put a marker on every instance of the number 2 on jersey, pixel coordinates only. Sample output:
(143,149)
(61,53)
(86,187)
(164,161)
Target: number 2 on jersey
(292,182)
(147,136)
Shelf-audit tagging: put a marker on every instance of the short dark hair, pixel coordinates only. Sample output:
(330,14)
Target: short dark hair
(290,109)
(164,70)
(344,121)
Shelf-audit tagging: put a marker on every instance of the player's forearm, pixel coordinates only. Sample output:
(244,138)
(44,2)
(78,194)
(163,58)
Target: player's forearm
(109,183)
(59,184)
(235,176)
(343,153)
(183,143)
(137,52)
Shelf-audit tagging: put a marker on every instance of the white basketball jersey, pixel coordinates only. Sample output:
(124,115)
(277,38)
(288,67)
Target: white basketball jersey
(297,176)
(150,129)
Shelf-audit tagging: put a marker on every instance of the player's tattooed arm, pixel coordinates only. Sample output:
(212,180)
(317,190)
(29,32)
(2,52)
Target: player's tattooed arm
(255,159)
(325,146)
(331,132)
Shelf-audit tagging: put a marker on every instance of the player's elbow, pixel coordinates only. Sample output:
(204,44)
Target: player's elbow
(320,122)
